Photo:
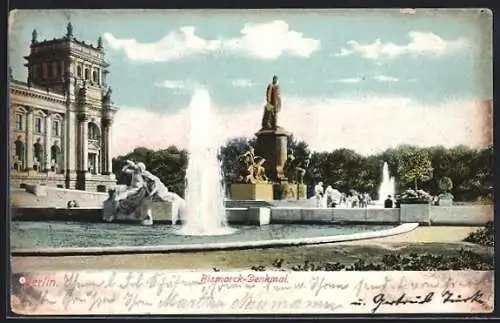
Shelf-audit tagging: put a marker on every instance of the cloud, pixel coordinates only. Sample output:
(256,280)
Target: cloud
(266,41)
(421,44)
(172,84)
(365,124)
(11,19)
(243,83)
(348,80)
(385,78)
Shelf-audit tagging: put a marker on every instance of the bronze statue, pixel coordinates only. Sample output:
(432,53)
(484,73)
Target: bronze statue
(55,152)
(106,99)
(251,169)
(34,37)
(293,172)
(19,149)
(273,105)
(38,150)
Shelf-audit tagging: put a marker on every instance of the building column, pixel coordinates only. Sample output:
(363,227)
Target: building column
(98,162)
(69,142)
(29,139)
(48,141)
(107,165)
(84,142)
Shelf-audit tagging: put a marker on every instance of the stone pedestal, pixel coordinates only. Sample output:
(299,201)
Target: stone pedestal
(288,191)
(263,192)
(272,145)
(445,202)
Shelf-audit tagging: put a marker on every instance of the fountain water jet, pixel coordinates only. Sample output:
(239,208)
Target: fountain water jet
(388,186)
(205,212)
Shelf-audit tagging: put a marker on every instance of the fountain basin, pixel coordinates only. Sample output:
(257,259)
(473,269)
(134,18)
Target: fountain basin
(80,239)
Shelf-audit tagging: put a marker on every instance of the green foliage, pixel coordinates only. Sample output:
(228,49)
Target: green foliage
(168,164)
(469,170)
(414,165)
(414,197)
(484,236)
(465,260)
(445,184)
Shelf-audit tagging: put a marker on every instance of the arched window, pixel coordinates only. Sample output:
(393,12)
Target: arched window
(79,71)
(94,76)
(93,131)
(50,70)
(87,74)
(36,71)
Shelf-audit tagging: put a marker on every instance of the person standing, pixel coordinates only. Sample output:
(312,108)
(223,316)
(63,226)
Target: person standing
(388,203)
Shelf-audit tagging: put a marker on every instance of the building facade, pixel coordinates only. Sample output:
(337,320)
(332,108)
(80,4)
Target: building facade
(61,117)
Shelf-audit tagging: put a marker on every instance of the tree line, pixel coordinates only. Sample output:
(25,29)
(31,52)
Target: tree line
(464,172)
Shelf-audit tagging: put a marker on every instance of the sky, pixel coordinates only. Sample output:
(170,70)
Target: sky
(366,80)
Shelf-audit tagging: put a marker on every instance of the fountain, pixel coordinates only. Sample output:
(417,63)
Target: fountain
(387,187)
(205,220)
(205,212)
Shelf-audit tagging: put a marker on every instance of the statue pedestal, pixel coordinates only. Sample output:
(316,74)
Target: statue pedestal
(288,191)
(261,192)
(272,145)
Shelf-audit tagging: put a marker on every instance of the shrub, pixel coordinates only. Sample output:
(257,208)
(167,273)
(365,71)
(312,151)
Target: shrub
(445,184)
(465,260)
(414,197)
(484,236)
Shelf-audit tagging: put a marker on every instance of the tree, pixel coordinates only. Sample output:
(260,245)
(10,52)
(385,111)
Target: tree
(229,155)
(414,165)
(168,164)
(445,185)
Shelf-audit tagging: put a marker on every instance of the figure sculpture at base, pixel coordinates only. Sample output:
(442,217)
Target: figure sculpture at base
(318,194)
(293,172)
(133,202)
(251,168)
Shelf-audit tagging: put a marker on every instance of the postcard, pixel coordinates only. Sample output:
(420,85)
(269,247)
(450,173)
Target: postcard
(251,161)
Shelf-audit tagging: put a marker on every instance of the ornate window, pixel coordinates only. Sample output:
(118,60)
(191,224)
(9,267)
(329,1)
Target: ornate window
(56,128)
(87,74)
(94,76)
(36,71)
(79,71)
(50,71)
(93,131)
(19,122)
(38,125)
(44,70)
(58,69)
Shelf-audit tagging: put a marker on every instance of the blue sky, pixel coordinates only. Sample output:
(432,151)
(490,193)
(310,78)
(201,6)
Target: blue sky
(369,62)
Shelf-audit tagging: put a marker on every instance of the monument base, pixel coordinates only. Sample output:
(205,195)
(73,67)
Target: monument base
(272,146)
(263,192)
(288,191)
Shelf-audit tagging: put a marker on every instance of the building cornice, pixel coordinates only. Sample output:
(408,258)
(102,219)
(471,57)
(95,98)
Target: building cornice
(17,88)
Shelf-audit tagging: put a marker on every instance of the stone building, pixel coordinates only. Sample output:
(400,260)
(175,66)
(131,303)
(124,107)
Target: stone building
(61,117)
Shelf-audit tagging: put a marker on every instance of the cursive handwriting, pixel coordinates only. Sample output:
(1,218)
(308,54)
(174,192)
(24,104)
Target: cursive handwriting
(165,292)
(449,297)
(72,281)
(97,300)
(319,284)
(403,299)
(132,300)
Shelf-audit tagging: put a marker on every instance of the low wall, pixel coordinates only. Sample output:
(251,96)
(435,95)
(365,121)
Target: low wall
(55,197)
(466,215)
(91,215)
(471,215)
(333,215)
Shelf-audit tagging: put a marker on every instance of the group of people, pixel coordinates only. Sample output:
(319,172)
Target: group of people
(330,198)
